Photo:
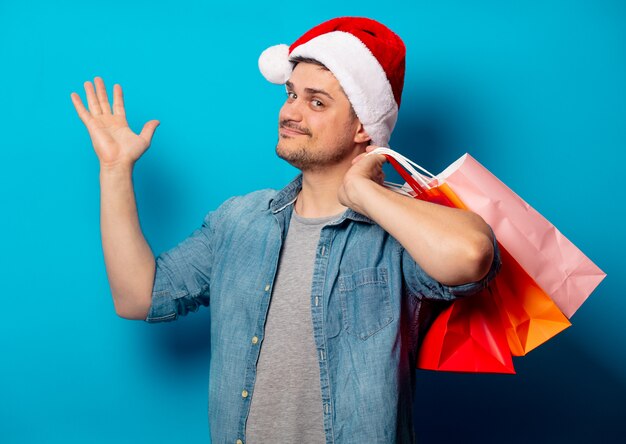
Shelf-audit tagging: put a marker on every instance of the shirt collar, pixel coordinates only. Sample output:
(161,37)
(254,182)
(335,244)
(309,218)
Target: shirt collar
(288,195)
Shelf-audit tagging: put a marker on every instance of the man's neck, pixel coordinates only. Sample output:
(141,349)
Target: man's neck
(318,197)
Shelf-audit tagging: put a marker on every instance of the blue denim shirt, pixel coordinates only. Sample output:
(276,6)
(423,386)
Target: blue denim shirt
(369,303)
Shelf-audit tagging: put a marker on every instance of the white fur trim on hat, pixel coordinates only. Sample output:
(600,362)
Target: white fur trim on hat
(275,65)
(362,78)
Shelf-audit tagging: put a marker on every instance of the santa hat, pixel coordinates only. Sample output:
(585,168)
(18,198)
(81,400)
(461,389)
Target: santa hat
(365,56)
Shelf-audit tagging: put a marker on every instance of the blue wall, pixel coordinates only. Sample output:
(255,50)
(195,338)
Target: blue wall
(535,90)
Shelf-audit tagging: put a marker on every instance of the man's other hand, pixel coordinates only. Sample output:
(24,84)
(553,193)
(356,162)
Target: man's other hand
(366,171)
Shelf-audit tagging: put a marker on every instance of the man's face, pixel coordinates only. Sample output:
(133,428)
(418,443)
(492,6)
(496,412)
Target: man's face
(316,126)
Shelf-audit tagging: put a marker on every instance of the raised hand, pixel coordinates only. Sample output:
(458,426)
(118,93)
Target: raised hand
(114,142)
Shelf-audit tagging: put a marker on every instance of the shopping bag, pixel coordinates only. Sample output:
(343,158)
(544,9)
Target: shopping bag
(555,263)
(529,316)
(467,337)
(527,313)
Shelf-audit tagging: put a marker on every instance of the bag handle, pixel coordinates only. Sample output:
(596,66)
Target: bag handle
(406,163)
(413,180)
(425,186)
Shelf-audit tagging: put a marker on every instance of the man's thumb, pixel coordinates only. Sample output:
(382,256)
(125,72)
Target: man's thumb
(148,130)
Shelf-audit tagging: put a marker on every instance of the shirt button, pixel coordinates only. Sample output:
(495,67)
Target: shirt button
(267,287)
(255,339)
(239,441)
(244,394)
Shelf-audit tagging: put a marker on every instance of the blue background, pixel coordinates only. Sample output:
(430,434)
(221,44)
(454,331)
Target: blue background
(536,90)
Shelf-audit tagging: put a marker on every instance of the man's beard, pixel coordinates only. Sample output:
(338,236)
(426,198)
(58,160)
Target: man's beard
(305,158)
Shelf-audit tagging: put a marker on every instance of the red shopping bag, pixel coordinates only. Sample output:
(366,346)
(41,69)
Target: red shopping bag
(468,336)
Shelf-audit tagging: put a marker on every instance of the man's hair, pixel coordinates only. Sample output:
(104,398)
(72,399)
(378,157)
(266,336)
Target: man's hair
(297,59)
(300,59)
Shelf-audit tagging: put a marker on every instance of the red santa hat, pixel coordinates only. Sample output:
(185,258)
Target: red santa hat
(365,56)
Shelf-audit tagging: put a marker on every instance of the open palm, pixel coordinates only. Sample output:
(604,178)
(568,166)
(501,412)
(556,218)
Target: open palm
(114,142)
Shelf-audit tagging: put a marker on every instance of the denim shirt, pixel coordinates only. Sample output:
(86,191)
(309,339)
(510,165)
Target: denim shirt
(369,303)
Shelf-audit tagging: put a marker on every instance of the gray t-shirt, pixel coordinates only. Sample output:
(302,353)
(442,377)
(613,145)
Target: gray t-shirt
(286,403)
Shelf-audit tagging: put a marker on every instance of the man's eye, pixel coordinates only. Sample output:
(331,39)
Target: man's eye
(291,95)
(317,103)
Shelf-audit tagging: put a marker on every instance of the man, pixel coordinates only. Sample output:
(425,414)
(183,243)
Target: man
(315,290)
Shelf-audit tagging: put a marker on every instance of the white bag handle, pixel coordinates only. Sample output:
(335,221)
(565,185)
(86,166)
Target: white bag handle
(408,164)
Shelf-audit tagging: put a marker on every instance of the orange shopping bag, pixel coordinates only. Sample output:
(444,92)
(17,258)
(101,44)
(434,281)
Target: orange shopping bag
(528,314)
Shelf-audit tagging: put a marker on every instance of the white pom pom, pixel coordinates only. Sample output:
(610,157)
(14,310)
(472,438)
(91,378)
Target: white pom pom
(275,65)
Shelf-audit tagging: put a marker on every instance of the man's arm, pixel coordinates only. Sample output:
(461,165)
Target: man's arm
(453,246)
(130,263)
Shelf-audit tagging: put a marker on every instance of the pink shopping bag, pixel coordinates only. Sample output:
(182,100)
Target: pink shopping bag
(555,263)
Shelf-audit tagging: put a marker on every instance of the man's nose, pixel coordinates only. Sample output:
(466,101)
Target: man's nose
(292,110)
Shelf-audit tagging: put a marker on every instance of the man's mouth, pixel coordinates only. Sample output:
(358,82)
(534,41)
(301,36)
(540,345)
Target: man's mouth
(289,130)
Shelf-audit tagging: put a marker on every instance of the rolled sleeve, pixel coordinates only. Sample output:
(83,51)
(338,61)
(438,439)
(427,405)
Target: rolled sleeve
(422,285)
(182,276)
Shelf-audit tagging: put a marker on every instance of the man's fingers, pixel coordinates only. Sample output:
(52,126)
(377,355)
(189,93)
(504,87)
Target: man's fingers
(92,100)
(80,108)
(118,100)
(148,130)
(101,93)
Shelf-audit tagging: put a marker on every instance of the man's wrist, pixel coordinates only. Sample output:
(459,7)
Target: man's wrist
(116,168)
(116,172)
(360,192)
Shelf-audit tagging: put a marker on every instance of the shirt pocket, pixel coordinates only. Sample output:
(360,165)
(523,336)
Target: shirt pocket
(365,301)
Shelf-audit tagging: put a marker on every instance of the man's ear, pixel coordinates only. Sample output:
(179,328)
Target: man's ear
(361,135)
